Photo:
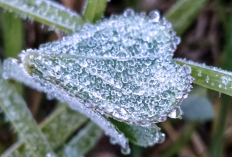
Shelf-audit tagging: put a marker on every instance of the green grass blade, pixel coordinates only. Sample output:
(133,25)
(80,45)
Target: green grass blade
(210,77)
(83,142)
(94,10)
(57,128)
(45,12)
(12,34)
(183,13)
(16,110)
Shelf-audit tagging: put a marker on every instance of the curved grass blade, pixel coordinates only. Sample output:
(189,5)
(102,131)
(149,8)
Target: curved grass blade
(210,77)
(16,110)
(94,10)
(55,123)
(183,13)
(45,12)
(83,142)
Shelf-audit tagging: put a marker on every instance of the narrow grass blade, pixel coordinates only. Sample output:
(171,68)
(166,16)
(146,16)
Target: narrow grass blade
(83,142)
(12,34)
(210,77)
(183,13)
(16,110)
(94,10)
(46,12)
(57,128)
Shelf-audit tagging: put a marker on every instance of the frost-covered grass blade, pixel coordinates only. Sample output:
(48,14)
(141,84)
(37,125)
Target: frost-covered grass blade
(83,142)
(56,128)
(16,110)
(210,77)
(46,12)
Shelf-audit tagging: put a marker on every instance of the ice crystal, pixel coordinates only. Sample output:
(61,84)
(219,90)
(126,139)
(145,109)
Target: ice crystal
(120,67)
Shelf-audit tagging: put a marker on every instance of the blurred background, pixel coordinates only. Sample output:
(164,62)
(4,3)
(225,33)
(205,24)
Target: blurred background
(207,122)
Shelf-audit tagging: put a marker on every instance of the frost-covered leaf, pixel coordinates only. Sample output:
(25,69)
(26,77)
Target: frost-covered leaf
(183,13)
(16,110)
(197,107)
(94,10)
(118,72)
(210,77)
(137,83)
(143,136)
(46,12)
(83,142)
(57,128)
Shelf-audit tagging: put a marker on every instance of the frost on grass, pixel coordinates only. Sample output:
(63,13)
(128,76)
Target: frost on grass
(17,112)
(210,77)
(120,67)
(85,140)
(50,12)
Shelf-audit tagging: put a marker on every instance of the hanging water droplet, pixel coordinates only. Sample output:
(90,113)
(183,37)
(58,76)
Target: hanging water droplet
(176,113)
(177,40)
(154,16)
(128,12)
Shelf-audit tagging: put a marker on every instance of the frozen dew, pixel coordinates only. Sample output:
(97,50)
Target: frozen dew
(120,67)
(48,11)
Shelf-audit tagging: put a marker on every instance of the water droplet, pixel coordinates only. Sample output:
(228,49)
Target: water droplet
(207,79)
(128,12)
(154,16)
